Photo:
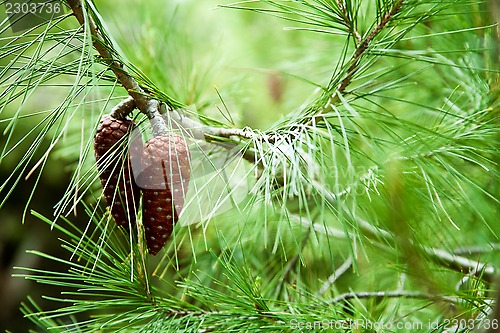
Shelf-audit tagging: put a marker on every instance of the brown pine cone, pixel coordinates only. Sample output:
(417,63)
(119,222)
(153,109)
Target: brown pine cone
(165,182)
(113,162)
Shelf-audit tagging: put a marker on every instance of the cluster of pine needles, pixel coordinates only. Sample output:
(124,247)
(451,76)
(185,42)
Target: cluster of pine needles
(369,204)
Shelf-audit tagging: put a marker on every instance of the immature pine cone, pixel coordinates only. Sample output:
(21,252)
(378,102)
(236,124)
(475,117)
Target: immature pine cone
(165,182)
(113,162)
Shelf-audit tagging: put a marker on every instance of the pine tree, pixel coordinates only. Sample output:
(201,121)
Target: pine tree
(368,204)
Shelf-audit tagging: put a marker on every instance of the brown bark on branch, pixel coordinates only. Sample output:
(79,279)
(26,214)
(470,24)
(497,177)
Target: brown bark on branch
(145,104)
(149,106)
(364,43)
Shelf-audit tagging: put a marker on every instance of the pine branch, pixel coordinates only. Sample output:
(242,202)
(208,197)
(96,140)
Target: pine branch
(439,256)
(115,65)
(347,20)
(149,106)
(382,238)
(478,249)
(461,264)
(145,104)
(338,273)
(393,294)
(363,47)
(153,108)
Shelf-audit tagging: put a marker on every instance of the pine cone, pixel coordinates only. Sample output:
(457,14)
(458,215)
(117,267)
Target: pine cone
(165,182)
(113,162)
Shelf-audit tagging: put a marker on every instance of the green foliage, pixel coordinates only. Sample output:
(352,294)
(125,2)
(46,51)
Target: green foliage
(377,160)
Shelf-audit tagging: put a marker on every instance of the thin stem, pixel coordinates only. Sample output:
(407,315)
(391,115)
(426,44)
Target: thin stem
(479,249)
(123,109)
(145,104)
(209,133)
(338,272)
(151,107)
(116,66)
(347,20)
(461,264)
(442,257)
(393,294)
(383,238)
(363,46)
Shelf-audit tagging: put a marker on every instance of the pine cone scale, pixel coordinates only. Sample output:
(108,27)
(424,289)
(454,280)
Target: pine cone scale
(165,184)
